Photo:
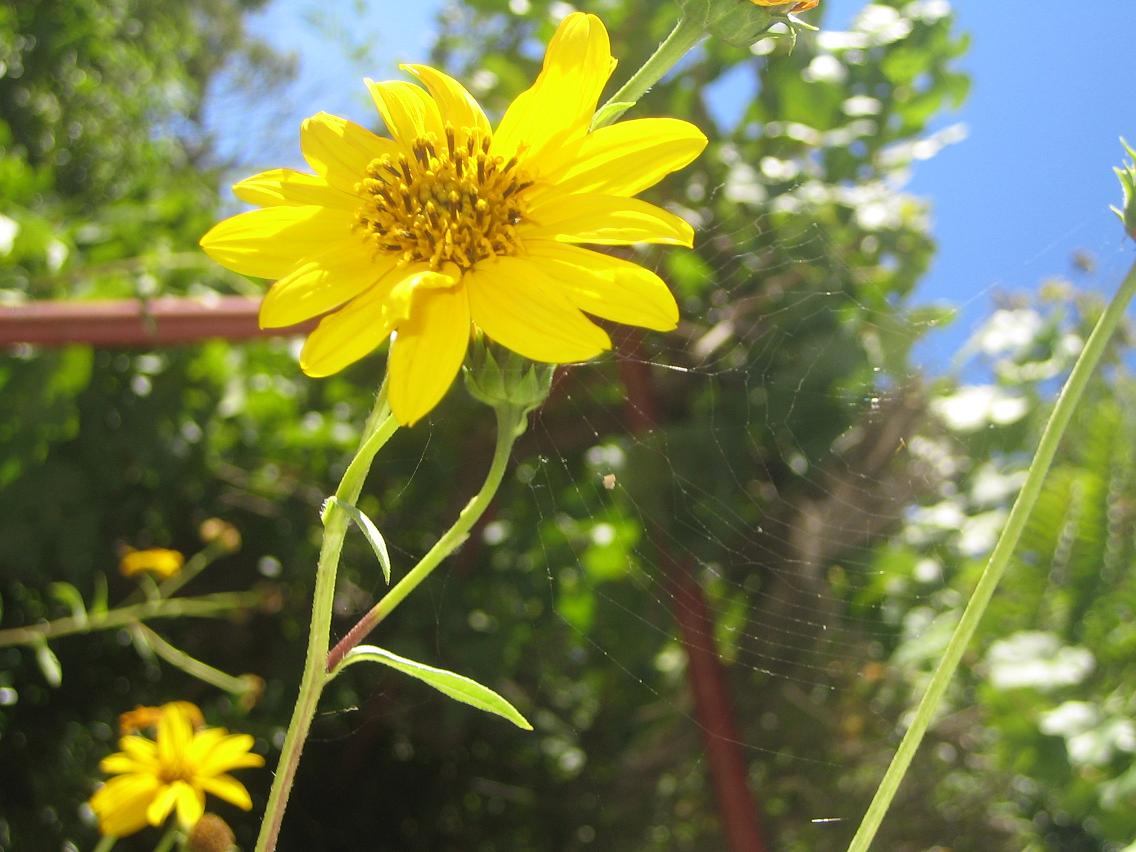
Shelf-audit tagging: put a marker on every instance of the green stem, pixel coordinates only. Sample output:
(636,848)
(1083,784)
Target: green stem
(509,421)
(205,606)
(1046,449)
(168,840)
(196,564)
(191,665)
(378,430)
(685,35)
(105,844)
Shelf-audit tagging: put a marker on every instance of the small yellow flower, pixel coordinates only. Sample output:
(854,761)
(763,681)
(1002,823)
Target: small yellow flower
(449,224)
(159,561)
(802,6)
(140,718)
(173,772)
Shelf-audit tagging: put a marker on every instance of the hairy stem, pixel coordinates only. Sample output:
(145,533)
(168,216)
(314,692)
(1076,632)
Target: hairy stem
(685,35)
(378,430)
(509,421)
(1046,449)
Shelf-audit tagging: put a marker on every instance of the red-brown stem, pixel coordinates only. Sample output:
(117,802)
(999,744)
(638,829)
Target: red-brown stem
(741,821)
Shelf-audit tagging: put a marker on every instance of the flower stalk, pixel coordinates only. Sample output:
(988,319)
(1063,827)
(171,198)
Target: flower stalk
(380,426)
(1047,447)
(510,422)
(204,606)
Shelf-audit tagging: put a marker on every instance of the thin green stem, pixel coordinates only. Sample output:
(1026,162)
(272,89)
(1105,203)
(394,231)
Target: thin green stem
(168,839)
(191,665)
(685,35)
(194,566)
(105,844)
(204,606)
(509,421)
(377,431)
(1046,450)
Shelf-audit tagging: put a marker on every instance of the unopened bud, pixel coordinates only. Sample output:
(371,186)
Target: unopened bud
(498,376)
(211,834)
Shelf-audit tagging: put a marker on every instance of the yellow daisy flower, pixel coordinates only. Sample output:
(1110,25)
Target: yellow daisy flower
(173,772)
(449,225)
(157,560)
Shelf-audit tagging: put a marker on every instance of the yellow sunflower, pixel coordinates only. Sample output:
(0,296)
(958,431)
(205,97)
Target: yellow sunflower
(173,772)
(450,226)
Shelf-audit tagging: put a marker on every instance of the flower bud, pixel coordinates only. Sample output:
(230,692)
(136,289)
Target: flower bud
(742,22)
(1127,175)
(211,834)
(222,533)
(498,376)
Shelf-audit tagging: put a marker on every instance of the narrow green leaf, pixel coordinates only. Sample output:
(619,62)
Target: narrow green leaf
(99,601)
(370,531)
(49,664)
(69,596)
(456,686)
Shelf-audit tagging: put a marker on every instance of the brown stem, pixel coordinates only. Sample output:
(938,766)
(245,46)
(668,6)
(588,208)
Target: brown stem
(739,811)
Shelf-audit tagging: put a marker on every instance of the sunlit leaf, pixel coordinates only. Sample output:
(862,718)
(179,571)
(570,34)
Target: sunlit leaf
(69,596)
(456,686)
(369,530)
(49,664)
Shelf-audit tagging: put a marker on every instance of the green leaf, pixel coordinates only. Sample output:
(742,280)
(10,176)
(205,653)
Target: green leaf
(99,601)
(456,686)
(49,664)
(69,596)
(368,528)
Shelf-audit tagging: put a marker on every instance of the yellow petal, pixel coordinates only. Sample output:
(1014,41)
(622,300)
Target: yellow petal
(139,748)
(288,186)
(228,788)
(161,805)
(353,331)
(607,286)
(559,106)
(269,243)
(321,284)
(605,220)
(229,753)
(339,150)
(175,734)
(119,763)
(630,156)
(408,111)
(518,306)
(190,803)
(428,351)
(457,106)
(416,280)
(121,804)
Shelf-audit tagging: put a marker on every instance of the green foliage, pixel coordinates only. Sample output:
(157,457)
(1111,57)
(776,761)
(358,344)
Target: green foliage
(456,686)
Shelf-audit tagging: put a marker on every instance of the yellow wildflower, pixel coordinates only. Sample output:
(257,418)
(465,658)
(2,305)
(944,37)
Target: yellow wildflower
(172,772)
(802,6)
(449,225)
(141,717)
(157,560)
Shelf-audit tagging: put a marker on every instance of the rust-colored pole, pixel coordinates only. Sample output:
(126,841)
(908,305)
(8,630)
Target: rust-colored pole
(741,820)
(134,322)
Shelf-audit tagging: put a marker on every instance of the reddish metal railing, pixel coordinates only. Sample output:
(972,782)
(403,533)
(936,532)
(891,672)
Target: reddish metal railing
(135,322)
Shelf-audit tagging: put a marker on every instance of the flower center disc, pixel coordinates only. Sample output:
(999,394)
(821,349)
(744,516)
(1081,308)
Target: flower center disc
(459,205)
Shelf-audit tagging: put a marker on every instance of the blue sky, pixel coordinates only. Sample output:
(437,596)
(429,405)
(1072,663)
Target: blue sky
(1028,187)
